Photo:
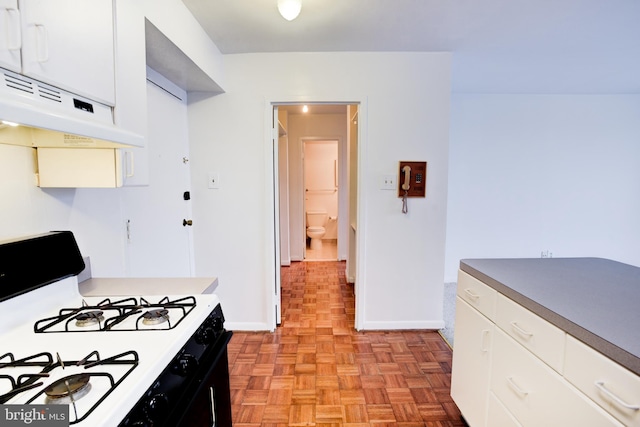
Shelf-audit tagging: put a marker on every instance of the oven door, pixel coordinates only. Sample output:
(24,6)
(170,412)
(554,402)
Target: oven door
(208,403)
(192,391)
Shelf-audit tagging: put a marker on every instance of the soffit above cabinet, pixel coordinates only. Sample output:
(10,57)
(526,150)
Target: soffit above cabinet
(169,60)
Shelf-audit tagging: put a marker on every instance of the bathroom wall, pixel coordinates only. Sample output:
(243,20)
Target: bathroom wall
(316,127)
(321,181)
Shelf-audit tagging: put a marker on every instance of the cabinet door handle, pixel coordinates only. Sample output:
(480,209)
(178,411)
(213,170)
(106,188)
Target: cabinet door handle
(129,164)
(42,43)
(516,388)
(471,294)
(14,34)
(616,399)
(485,333)
(521,331)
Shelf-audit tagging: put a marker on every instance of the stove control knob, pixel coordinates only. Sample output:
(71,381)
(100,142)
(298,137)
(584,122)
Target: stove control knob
(205,336)
(184,365)
(157,408)
(217,324)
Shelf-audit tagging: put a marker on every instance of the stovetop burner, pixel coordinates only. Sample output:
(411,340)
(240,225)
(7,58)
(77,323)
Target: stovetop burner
(130,314)
(155,317)
(89,318)
(68,389)
(38,379)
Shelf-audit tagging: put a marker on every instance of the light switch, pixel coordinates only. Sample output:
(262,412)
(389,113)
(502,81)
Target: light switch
(213,181)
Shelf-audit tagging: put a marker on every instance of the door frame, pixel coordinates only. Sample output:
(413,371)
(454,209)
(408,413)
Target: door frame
(272,235)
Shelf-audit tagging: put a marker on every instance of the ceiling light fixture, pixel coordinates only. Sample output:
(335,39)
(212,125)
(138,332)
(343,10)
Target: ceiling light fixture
(289,9)
(305,109)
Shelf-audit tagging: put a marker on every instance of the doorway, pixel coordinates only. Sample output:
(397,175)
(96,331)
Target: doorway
(322,128)
(321,202)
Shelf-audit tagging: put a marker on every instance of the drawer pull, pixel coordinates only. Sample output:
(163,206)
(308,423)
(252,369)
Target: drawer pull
(471,294)
(521,331)
(485,334)
(516,388)
(602,388)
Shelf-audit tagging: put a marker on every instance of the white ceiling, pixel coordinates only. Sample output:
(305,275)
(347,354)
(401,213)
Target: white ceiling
(499,46)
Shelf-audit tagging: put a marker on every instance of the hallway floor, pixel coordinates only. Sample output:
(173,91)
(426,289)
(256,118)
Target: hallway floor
(316,370)
(328,252)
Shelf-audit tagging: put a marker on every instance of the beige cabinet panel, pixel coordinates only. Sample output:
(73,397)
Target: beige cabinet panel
(611,386)
(535,394)
(534,333)
(498,415)
(471,363)
(79,167)
(477,294)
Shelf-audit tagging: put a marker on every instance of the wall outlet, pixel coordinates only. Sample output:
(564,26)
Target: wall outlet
(546,254)
(388,182)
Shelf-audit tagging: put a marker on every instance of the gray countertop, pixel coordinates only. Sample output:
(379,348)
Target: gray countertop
(112,286)
(593,299)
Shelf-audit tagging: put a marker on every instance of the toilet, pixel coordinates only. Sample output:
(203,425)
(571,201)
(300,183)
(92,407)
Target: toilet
(316,221)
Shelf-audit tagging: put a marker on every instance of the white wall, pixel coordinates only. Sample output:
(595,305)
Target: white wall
(534,173)
(404,116)
(97,217)
(92,214)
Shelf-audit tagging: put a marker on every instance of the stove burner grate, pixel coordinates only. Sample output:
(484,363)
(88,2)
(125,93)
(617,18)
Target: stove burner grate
(24,382)
(77,382)
(107,315)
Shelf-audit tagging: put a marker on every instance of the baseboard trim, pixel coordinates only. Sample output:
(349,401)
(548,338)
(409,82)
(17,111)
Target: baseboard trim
(390,325)
(246,326)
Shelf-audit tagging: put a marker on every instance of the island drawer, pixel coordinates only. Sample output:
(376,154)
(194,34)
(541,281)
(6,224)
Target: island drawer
(611,386)
(498,415)
(535,394)
(477,294)
(533,332)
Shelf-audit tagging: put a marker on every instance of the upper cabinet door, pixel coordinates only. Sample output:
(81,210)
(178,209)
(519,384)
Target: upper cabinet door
(70,44)
(10,35)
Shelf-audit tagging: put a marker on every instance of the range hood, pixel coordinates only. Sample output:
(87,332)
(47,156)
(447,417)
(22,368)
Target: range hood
(50,117)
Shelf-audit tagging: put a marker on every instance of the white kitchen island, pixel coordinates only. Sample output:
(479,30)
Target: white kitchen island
(553,342)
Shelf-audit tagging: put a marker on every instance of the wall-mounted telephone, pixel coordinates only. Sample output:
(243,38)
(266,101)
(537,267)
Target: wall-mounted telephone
(413,179)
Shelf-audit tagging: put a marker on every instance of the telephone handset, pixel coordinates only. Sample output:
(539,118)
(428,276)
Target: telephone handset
(406,185)
(413,180)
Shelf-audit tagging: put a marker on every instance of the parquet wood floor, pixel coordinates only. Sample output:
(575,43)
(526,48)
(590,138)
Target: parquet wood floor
(317,370)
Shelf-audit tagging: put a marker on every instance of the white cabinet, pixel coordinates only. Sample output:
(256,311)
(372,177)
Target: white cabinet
(477,294)
(471,363)
(66,43)
(535,394)
(498,415)
(513,368)
(10,35)
(614,388)
(531,331)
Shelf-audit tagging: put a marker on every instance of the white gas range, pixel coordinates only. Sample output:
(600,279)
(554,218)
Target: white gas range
(144,360)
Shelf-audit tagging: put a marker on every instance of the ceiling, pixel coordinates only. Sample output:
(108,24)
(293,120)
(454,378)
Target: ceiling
(498,46)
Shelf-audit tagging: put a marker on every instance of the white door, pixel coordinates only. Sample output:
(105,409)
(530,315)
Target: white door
(275,133)
(158,244)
